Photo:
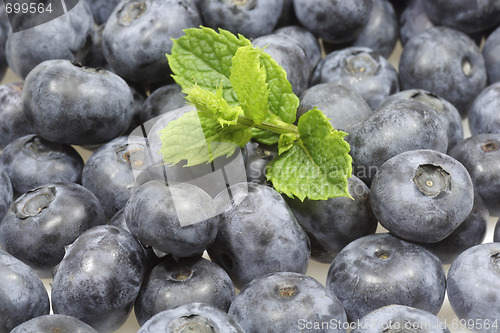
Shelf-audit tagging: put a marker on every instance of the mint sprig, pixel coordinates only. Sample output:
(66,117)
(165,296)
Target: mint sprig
(241,93)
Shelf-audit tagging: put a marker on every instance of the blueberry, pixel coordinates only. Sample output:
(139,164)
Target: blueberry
(413,21)
(43,221)
(381,32)
(13,124)
(54,323)
(332,224)
(290,55)
(72,104)
(342,106)
(171,284)
(392,129)
(448,113)
(400,318)
(102,9)
(285,301)
(304,37)
(4,33)
(483,114)
(166,98)
(195,317)
(258,234)
(480,154)
(422,195)
(471,232)
(22,293)
(445,62)
(378,270)
(111,165)
(360,69)
(31,161)
(472,286)
(106,266)
(66,37)
(335,22)
(179,219)
(258,157)
(251,18)
(6,193)
(138,33)
(491,54)
(464,15)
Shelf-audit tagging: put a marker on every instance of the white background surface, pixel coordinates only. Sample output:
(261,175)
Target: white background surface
(316,270)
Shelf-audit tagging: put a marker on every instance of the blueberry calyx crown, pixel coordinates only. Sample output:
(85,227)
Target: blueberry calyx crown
(131,154)
(34,202)
(192,323)
(363,63)
(432,180)
(42,149)
(132,12)
(490,146)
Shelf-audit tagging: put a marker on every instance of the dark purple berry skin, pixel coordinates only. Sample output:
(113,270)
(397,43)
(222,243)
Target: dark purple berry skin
(480,154)
(483,114)
(22,293)
(43,221)
(491,54)
(31,161)
(378,270)
(472,285)
(422,195)
(73,104)
(102,9)
(173,283)
(332,224)
(306,39)
(54,323)
(107,266)
(413,21)
(6,193)
(258,235)
(280,302)
(335,22)
(13,124)
(360,69)
(445,62)
(166,98)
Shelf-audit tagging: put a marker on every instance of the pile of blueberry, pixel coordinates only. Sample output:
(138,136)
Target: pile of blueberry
(112,241)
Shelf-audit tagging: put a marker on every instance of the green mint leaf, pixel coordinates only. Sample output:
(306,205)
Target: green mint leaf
(207,139)
(286,142)
(203,56)
(248,78)
(213,105)
(317,165)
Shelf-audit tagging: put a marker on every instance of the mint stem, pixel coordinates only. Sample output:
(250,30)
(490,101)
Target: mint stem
(281,128)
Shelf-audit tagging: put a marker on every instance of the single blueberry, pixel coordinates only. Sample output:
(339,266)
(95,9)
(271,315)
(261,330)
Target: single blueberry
(22,293)
(491,54)
(381,269)
(43,221)
(472,286)
(304,37)
(480,154)
(174,283)
(99,278)
(422,195)
(285,301)
(483,116)
(73,104)
(31,161)
(258,234)
(179,218)
(445,62)
(192,317)
(360,69)
(66,37)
